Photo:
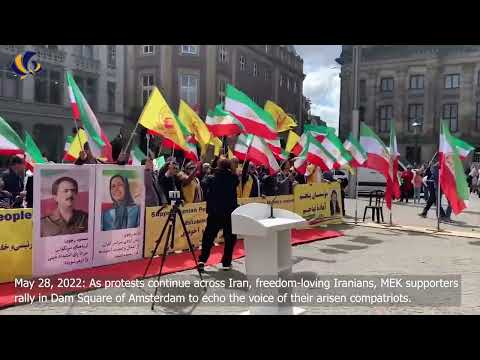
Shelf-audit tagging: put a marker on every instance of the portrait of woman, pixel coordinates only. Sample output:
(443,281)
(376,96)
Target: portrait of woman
(334,207)
(124,214)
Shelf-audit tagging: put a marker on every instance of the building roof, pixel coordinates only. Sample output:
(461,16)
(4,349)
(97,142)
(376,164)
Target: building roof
(290,48)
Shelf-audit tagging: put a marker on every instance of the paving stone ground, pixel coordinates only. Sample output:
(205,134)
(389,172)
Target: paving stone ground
(362,251)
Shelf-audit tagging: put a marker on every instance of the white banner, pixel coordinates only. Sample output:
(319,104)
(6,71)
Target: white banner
(120,211)
(63,218)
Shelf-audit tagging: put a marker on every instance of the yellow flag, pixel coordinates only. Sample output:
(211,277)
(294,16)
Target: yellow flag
(215,141)
(74,149)
(291,141)
(159,118)
(284,122)
(194,124)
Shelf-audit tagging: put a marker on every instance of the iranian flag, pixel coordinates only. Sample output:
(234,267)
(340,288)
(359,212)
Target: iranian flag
(378,156)
(393,167)
(300,145)
(241,146)
(300,163)
(222,123)
(136,156)
(318,155)
(359,155)
(293,145)
(334,146)
(317,131)
(255,120)
(10,142)
(260,154)
(33,155)
(97,140)
(463,147)
(452,177)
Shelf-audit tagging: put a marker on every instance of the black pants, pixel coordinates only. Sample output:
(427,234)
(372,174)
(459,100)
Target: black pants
(214,224)
(432,199)
(343,201)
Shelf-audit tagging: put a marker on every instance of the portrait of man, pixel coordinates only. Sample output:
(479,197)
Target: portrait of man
(64,219)
(334,206)
(125,213)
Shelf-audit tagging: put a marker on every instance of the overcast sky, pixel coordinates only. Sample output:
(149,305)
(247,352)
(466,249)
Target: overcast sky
(322,83)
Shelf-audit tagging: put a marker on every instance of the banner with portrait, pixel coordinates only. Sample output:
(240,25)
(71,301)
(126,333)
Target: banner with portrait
(63,213)
(320,203)
(119,214)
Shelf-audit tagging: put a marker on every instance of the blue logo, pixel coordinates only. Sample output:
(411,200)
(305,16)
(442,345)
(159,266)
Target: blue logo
(23,65)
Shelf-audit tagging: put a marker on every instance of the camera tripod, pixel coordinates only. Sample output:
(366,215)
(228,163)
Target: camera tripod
(170,223)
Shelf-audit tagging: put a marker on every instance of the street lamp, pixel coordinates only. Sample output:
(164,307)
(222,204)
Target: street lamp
(416,125)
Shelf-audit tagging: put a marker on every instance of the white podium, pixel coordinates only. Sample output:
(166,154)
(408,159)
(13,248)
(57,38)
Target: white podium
(268,249)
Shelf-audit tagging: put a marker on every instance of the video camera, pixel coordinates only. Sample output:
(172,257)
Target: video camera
(175,197)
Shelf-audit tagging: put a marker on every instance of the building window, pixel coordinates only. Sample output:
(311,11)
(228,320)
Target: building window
(147,87)
(222,54)
(477,117)
(111,96)
(416,82)
(450,113)
(363,89)
(268,75)
(294,87)
(222,85)
(385,115)
(47,138)
(267,48)
(415,115)
(478,79)
(112,56)
(88,51)
(452,81)
(91,93)
(243,63)
(189,49)
(9,83)
(288,83)
(255,70)
(147,49)
(189,88)
(56,88)
(282,80)
(386,85)
(41,87)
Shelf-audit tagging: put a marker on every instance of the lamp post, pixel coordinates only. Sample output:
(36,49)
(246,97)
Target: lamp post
(416,125)
(355,112)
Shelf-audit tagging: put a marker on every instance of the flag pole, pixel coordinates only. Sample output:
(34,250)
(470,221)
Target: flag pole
(356,196)
(130,139)
(148,145)
(439,196)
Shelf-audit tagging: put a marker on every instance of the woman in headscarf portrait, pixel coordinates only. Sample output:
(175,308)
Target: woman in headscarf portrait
(334,207)
(124,214)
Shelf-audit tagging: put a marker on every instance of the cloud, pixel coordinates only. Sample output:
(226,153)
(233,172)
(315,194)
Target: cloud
(322,81)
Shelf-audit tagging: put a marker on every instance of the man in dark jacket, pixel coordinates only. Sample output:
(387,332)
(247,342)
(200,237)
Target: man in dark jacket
(432,183)
(221,198)
(13,179)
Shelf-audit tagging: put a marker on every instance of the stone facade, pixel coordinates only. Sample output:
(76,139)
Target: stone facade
(414,83)
(198,74)
(41,106)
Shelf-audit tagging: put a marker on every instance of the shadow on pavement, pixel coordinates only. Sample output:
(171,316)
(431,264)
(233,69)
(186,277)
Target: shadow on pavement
(477,243)
(298,259)
(333,251)
(348,247)
(366,240)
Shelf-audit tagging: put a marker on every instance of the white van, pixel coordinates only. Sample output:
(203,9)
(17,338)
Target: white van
(369,179)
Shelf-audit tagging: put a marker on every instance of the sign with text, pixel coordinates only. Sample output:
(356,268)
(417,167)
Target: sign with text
(63,208)
(15,244)
(319,202)
(119,214)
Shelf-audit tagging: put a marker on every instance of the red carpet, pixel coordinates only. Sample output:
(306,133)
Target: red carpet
(134,269)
